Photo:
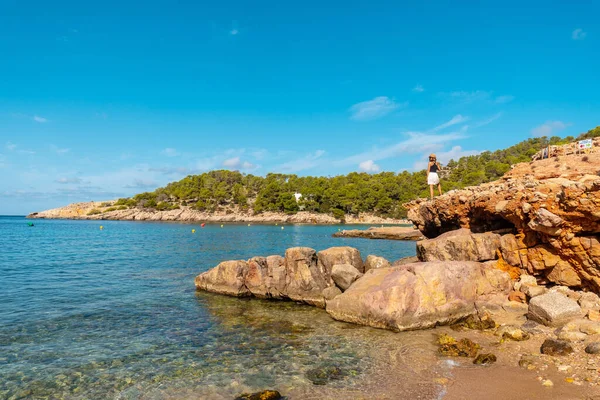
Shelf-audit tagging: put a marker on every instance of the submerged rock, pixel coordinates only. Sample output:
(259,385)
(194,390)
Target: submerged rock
(484,359)
(474,322)
(462,348)
(554,347)
(515,333)
(325,374)
(264,395)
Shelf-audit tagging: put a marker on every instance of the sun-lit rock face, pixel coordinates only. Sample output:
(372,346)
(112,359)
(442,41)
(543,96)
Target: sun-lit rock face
(546,212)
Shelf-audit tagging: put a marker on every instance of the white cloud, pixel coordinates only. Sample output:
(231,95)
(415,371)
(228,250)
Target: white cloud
(39,119)
(376,108)
(58,150)
(65,181)
(234,32)
(455,153)
(548,128)
(234,162)
(11,146)
(468,97)
(416,142)
(489,120)
(369,166)
(578,34)
(457,119)
(418,89)
(504,99)
(141,184)
(248,165)
(309,161)
(169,152)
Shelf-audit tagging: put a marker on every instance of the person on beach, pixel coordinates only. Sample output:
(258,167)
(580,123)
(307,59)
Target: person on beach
(432,175)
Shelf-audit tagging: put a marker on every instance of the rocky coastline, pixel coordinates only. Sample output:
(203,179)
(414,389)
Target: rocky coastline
(106,210)
(517,260)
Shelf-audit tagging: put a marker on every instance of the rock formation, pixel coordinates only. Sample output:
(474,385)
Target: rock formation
(410,296)
(545,213)
(302,275)
(390,233)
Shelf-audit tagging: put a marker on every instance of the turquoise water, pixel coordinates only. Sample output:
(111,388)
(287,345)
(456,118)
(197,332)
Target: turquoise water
(113,313)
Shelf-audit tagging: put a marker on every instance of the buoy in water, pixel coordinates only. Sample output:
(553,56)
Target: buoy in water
(248,224)
(193,231)
(276,224)
(202,225)
(221,225)
(282,228)
(101,227)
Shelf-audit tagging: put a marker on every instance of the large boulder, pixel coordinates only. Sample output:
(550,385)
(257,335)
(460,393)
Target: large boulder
(553,309)
(228,277)
(460,245)
(306,277)
(419,295)
(340,255)
(344,275)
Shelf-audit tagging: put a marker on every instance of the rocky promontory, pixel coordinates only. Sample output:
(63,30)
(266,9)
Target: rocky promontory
(389,233)
(542,218)
(108,210)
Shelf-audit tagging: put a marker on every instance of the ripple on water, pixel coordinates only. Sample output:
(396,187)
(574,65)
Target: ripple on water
(113,314)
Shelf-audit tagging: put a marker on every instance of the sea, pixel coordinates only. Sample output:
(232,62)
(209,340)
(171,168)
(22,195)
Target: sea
(108,310)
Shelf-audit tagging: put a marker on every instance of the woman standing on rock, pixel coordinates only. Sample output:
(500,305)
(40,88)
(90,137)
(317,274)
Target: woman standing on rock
(432,175)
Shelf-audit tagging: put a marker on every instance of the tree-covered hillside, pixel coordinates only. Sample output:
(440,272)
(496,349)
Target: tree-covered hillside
(381,194)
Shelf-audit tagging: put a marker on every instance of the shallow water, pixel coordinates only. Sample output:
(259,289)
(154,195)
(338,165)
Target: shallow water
(112,313)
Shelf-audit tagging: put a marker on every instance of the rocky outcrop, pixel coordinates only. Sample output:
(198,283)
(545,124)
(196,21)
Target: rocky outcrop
(411,296)
(302,275)
(545,211)
(460,245)
(419,295)
(390,233)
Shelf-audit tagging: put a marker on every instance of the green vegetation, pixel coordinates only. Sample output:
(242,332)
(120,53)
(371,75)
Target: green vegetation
(110,209)
(382,194)
(94,211)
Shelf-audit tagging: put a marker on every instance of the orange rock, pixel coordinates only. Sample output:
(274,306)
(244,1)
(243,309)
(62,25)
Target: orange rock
(519,297)
(594,315)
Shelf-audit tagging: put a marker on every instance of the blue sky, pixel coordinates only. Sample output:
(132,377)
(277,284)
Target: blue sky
(104,100)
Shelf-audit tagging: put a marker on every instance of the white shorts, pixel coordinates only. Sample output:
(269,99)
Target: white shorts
(433,178)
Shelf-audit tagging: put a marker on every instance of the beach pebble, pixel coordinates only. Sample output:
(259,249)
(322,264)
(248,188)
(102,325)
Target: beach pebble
(554,347)
(547,383)
(593,348)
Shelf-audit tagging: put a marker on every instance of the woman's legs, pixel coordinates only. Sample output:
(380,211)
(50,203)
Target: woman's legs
(439,188)
(431,191)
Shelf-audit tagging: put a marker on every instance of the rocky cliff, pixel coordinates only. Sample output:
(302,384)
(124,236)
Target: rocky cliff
(544,218)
